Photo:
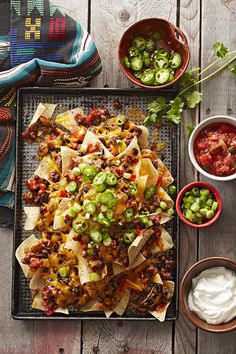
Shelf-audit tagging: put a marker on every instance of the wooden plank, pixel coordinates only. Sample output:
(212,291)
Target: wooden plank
(219,98)
(116,337)
(13,334)
(185,333)
(109,20)
(131,337)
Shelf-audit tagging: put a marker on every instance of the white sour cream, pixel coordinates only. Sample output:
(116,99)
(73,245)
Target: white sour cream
(213,295)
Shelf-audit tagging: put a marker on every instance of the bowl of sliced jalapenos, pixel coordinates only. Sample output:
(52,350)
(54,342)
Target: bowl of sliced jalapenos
(153,53)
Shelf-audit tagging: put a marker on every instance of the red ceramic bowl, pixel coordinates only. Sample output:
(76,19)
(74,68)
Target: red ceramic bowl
(185,288)
(172,38)
(199,185)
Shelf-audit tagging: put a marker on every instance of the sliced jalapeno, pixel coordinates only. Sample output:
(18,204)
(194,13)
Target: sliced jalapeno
(79,225)
(133,188)
(101,187)
(136,63)
(162,76)
(138,74)
(90,208)
(89,172)
(129,214)
(120,119)
(145,54)
(149,191)
(109,214)
(128,236)
(133,52)
(99,178)
(111,179)
(103,221)
(95,235)
(105,197)
(145,221)
(148,77)
(147,62)
(150,45)
(162,53)
(72,187)
(95,277)
(63,271)
(126,62)
(139,42)
(161,62)
(175,60)
(156,36)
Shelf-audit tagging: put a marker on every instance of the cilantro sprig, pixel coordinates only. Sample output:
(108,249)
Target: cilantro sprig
(188,95)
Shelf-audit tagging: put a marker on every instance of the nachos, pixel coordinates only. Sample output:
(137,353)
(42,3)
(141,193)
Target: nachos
(98,205)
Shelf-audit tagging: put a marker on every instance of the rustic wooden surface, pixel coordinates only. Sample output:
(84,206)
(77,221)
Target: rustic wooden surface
(203,23)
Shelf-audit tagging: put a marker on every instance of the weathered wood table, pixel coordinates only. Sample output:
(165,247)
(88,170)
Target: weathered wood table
(203,22)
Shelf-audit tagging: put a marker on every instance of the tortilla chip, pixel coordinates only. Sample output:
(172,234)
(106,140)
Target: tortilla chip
(167,178)
(92,305)
(66,155)
(44,109)
(147,169)
(84,270)
(123,303)
(164,243)
(120,306)
(160,312)
(32,216)
(20,254)
(143,139)
(92,138)
(59,218)
(117,268)
(142,183)
(137,245)
(157,279)
(36,282)
(37,303)
(67,119)
(45,167)
(133,145)
(165,197)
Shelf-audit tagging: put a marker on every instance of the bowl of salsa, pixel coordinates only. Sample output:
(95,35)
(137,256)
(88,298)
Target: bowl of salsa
(212,148)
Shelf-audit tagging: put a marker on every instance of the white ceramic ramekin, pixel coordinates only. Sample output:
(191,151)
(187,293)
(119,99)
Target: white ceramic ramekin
(198,128)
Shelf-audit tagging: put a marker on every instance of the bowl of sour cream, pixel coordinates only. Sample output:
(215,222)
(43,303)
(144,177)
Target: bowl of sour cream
(208,294)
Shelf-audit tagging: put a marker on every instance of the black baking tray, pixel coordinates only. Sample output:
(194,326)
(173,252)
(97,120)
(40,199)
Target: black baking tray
(26,163)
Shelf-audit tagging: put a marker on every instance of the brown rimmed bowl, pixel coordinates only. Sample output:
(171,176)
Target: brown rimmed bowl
(185,288)
(172,39)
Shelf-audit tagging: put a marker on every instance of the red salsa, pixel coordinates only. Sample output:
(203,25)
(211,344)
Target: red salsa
(215,149)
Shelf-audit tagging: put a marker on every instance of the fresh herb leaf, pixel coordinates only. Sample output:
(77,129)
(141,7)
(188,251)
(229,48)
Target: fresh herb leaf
(187,79)
(157,105)
(153,118)
(190,128)
(193,98)
(176,108)
(219,50)
(233,69)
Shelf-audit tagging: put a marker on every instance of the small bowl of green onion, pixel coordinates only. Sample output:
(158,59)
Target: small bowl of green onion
(199,204)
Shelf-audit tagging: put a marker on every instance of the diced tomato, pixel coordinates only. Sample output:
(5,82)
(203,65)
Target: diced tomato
(213,149)
(120,171)
(63,193)
(35,263)
(159,181)
(133,176)
(201,145)
(205,159)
